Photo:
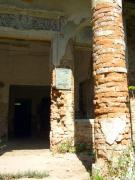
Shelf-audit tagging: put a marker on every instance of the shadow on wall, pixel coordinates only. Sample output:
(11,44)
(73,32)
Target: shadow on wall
(84,136)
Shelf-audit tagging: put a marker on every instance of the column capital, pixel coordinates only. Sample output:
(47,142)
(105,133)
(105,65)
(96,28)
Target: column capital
(95,2)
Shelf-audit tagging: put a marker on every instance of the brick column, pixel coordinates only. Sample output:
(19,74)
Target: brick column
(112,121)
(62,108)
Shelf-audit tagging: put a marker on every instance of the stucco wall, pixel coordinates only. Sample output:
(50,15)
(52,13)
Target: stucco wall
(24,62)
(71,17)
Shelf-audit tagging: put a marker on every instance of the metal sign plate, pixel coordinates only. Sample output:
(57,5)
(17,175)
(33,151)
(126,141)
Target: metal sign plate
(63,78)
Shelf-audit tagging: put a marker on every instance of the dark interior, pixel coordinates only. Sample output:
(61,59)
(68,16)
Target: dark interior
(29,112)
(22,118)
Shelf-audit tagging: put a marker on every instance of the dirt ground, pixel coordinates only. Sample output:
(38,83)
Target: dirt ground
(59,166)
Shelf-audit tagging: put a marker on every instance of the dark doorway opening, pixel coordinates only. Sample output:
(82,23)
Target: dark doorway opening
(25,73)
(29,113)
(44,117)
(22,118)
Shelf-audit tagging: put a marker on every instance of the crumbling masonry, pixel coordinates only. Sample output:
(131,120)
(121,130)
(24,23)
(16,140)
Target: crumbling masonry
(68,38)
(112,122)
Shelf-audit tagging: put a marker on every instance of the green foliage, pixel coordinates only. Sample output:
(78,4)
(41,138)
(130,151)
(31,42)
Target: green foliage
(66,147)
(122,167)
(27,174)
(97,176)
(131,87)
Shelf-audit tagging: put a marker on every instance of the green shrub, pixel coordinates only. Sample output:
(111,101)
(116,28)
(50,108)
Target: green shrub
(66,147)
(131,87)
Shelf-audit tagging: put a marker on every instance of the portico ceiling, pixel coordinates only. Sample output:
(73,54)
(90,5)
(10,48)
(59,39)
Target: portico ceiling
(60,5)
(68,7)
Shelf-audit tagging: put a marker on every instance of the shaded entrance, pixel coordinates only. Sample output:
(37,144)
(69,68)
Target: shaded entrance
(84,108)
(44,117)
(22,118)
(25,81)
(29,112)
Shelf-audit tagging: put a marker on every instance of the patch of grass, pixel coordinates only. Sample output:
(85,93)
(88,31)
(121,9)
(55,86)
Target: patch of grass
(97,176)
(26,174)
(66,147)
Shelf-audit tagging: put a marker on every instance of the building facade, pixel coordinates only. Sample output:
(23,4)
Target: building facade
(64,70)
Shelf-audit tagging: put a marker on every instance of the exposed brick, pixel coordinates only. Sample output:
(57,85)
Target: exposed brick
(110,74)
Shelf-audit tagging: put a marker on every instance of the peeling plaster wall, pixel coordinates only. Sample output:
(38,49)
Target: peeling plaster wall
(75,14)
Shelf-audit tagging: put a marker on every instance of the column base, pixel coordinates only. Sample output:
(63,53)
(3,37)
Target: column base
(120,166)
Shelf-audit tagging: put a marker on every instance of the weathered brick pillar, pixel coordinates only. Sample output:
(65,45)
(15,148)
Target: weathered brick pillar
(62,107)
(112,121)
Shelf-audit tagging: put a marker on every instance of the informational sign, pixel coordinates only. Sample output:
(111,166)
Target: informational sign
(63,78)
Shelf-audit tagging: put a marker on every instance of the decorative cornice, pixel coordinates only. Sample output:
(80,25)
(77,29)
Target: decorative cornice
(18,18)
(30,12)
